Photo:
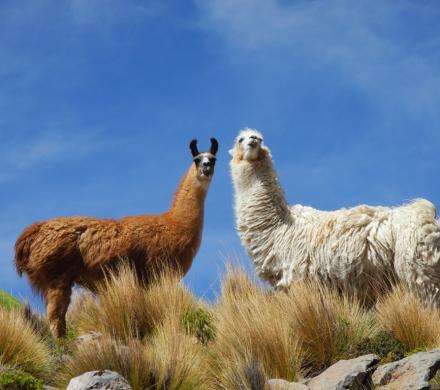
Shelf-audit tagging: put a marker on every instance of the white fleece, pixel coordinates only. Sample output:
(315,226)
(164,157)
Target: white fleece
(356,249)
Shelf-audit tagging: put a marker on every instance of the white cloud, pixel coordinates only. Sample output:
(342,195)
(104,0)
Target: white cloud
(365,43)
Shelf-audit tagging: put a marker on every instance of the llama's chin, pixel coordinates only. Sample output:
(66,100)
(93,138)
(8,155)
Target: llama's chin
(252,153)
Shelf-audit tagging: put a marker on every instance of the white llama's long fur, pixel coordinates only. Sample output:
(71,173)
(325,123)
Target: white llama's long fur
(354,249)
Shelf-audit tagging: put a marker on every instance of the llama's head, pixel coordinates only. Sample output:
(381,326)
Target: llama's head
(249,146)
(204,161)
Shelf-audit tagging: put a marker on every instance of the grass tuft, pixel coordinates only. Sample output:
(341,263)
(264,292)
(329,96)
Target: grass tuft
(178,361)
(131,361)
(329,325)
(412,322)
(251,336)
(21,347)
(126,309)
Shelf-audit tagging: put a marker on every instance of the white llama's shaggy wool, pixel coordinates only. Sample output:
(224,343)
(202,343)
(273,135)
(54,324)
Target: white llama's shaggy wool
(355,249)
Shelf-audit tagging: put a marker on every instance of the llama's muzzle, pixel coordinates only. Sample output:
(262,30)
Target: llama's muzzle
(253,142)
(207,170)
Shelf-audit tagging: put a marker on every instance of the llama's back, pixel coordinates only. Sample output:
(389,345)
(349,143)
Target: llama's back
(345,244)
(362,244)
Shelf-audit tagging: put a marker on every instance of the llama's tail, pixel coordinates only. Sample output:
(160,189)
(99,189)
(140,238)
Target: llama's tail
(23,247)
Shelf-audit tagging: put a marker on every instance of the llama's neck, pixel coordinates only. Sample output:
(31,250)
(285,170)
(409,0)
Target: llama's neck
(189,199)
(258,192)
(262,214)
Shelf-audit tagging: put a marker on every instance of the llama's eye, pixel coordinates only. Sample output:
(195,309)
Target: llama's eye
(241,140)
(212,161)
(197,161)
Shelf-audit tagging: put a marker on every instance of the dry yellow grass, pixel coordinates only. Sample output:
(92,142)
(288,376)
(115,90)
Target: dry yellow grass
(252,339)
(132,361)
(21,347)
(179,361)
(126,309)
(168,359)
(412,322)
(328,325)
(161,336)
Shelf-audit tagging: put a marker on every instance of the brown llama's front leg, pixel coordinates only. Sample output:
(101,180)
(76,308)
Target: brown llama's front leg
(58,300)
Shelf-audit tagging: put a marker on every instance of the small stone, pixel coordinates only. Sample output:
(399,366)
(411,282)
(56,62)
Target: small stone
(350,374)
(413,372)
(99,380)
(281,384)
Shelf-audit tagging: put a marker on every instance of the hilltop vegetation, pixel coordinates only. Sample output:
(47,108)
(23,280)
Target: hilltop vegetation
(7,301)
(162,336)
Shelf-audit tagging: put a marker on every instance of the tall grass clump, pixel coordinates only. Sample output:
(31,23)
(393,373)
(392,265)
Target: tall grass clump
(168,359)
(178,361)
(131,360)
(329,325)
(251,339)
(414,323)
(21,347)
(125,308)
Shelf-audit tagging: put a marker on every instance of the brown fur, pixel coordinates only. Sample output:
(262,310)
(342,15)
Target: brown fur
(61,252)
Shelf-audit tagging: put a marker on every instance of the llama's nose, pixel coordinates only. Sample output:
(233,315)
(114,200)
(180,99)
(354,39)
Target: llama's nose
(206,169)
(253,141)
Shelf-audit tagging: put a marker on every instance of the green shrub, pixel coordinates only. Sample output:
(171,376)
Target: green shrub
(383,344)
(198,322)
(19,380)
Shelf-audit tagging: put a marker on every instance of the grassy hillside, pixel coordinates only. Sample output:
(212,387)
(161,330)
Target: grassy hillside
(164,337)
(8,301)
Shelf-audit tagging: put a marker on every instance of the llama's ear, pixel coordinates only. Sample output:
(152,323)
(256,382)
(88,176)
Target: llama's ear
(214,146)
(193,147)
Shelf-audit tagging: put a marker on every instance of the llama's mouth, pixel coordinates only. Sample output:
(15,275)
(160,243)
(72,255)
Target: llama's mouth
(253,143)
(207,171)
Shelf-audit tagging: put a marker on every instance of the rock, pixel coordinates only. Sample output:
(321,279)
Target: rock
(88,337)
(281,384)
(346,374)
(99,380)
(413,372)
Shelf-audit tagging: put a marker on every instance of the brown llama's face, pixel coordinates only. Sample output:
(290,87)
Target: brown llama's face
(204,162)
(248,146)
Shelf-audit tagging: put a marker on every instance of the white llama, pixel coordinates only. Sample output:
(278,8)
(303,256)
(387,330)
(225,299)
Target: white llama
(355,249)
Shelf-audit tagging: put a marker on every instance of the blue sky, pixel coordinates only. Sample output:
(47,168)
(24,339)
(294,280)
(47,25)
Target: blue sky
(100,98)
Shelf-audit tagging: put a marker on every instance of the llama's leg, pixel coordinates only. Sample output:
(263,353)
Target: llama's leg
(58,299)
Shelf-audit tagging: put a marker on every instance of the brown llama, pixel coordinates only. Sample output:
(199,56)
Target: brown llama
(61,252)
